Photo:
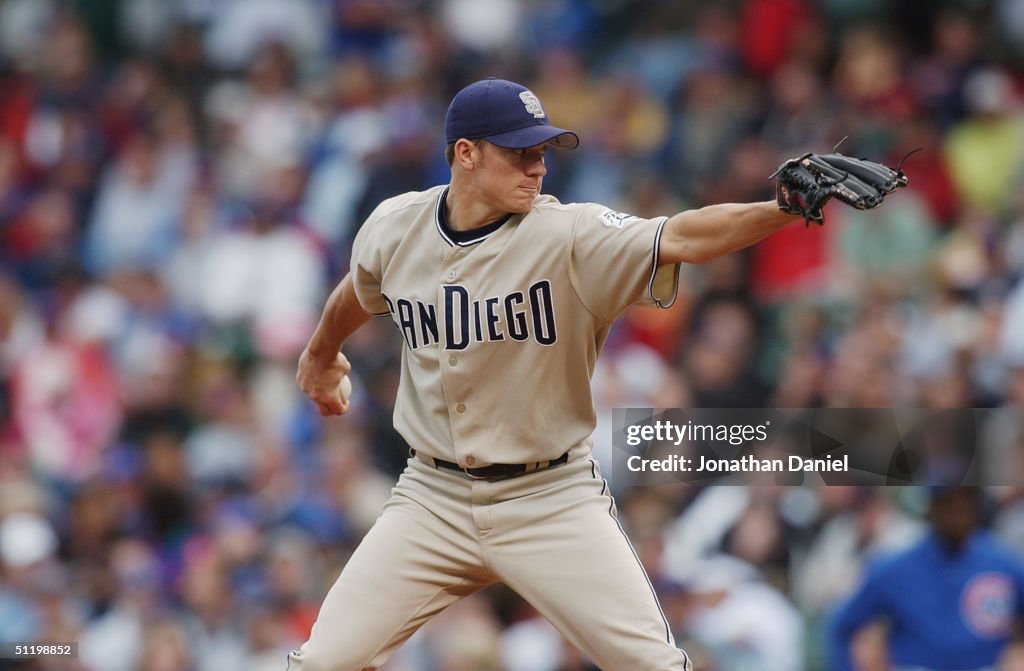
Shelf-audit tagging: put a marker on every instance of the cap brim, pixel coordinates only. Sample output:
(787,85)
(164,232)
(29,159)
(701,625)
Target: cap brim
(531,136)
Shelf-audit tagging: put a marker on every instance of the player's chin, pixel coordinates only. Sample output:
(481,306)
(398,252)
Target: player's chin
(522,201)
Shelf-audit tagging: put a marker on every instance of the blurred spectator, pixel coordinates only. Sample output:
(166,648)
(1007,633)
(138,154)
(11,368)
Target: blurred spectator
(714,112)
(22,28)
(568,90)
(169,509)
(40,240)
(632,124)
(294,577)
(355,132)
(719,357)
(358,491)
(267,643)
(482,25)
(769,29)
(212,626)
(863,524)
(894,245)
(741,622)
(468,640)
(65,407)
(698,530)
(138,208)
(985,150)
(939,77)
(115,640)
(534,645)
(20,328)
(239,29)
(1011,336)
(167,647)
(871,88)
(801,110)
(264,275)
(932,180)
(263,125)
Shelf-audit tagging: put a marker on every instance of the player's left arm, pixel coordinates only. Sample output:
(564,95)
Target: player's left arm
(700,235)
(802,187)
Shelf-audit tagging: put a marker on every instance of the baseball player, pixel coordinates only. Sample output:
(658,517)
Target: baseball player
(952,601)
(504,297)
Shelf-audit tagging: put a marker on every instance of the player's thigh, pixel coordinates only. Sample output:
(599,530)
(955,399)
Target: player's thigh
(568,556)
(411,565)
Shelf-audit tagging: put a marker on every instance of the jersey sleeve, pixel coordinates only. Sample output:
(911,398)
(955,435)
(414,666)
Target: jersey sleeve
(613,262)
(866,603)
(367,270)
(1017,570)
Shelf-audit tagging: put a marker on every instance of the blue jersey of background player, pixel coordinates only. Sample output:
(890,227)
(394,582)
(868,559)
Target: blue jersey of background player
(951,602)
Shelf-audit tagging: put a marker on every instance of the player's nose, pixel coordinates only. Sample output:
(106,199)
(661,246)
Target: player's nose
(536,167)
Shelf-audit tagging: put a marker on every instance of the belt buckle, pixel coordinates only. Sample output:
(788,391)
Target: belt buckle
(473,477)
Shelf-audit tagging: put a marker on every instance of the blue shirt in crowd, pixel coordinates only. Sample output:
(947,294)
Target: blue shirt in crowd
(947,611)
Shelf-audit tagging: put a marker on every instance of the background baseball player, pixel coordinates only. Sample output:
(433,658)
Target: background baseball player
(952,601)
(504,298)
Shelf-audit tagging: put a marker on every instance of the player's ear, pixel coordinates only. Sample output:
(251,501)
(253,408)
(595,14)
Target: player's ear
(467,154)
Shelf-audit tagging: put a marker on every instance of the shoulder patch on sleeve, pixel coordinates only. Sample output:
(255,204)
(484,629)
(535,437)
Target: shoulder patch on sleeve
(614,219)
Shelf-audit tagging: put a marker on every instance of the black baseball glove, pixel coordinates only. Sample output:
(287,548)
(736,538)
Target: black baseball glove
(803,185)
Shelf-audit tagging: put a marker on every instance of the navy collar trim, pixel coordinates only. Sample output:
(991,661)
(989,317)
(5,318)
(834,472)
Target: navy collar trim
(462,238)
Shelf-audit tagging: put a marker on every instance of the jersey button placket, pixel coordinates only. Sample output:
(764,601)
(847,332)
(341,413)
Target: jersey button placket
(460,408)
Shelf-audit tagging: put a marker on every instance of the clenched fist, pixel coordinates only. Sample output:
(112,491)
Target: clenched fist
(325,381)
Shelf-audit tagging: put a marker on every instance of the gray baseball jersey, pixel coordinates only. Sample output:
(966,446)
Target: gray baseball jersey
(503,324)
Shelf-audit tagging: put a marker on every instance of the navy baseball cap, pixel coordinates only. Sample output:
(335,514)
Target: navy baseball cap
(503,113)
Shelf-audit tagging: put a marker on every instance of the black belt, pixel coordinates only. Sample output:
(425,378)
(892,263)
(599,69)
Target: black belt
(500,471)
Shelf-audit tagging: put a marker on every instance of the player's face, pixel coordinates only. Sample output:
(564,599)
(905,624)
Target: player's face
(511,178)
(955,515)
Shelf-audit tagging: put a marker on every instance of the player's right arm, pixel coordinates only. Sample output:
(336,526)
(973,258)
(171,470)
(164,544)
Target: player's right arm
(322,365)
(861,608)
(356,298)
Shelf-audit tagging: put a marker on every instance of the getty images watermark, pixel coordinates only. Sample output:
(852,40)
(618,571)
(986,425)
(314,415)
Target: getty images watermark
(839,446)
(666,432)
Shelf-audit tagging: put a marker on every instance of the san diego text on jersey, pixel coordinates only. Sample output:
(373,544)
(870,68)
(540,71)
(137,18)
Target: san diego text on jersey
(519,315)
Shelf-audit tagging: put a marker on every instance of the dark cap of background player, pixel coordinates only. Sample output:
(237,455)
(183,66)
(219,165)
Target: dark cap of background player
(505,114)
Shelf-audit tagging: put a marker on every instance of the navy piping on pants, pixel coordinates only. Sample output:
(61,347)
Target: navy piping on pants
(668,630)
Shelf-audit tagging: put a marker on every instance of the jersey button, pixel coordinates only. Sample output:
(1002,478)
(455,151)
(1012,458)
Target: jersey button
(451,274)
(460,408)
(452,361)
(470,461)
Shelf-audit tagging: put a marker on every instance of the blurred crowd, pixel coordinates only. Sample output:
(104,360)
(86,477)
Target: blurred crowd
(180,183)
